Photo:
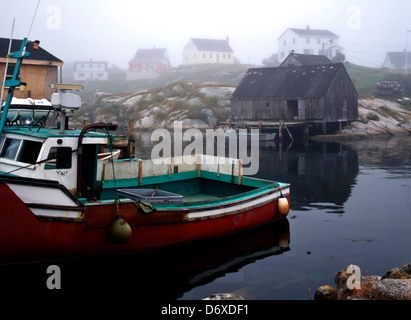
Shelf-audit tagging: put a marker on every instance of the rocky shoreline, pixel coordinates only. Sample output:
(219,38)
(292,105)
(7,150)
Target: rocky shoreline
(395,284)
(377,118)
(205,105)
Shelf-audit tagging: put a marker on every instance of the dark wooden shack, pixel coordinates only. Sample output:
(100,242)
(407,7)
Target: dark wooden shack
(298,59)
(312,93)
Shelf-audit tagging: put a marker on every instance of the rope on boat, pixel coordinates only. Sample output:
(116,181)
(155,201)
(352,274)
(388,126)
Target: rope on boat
(120,231)
(110,140)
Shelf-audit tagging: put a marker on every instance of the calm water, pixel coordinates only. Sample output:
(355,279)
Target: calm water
(350,203)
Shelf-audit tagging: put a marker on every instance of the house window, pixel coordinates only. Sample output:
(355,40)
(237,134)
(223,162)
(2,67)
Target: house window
(308,40)
(10,71)
(229,56)
(223,55)
(204,55)
(211,55)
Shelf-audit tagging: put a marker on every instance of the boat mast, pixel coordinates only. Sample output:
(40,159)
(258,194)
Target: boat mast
(13,82)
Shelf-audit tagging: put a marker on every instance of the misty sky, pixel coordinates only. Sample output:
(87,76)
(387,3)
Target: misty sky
(113,30)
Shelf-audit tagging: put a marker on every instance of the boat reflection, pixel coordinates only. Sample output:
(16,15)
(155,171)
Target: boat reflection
(162,274)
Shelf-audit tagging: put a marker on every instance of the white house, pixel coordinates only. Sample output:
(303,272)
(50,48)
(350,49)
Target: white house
(308,41)
(90,70)
(207,51)
(397,60)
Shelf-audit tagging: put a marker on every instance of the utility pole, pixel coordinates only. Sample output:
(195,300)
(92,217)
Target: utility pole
(406,53)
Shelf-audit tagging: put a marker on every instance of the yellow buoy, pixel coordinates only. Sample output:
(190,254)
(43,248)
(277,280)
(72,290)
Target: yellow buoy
(120,230)
(283,205)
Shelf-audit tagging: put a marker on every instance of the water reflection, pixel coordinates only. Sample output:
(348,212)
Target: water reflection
(164,274)
(321,174)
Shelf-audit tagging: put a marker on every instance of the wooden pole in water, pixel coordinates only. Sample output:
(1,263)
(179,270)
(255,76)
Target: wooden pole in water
(280,130)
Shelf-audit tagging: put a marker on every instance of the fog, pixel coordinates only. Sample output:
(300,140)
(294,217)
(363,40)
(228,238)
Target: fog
(114,30)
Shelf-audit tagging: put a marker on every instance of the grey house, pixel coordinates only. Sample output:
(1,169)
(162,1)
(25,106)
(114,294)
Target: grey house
(315,93)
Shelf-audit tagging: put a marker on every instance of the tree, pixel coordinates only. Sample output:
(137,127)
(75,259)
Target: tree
(339,58)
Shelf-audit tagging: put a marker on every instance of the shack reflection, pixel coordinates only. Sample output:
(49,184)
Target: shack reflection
(321,174)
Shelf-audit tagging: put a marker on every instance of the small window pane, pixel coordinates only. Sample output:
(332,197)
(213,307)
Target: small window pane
(30,151)
(59,158)
(10,148)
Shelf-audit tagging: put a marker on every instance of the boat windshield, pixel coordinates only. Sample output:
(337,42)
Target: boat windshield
(26,151)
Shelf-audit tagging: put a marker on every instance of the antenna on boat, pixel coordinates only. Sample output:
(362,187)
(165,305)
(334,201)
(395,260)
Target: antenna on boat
(32,21)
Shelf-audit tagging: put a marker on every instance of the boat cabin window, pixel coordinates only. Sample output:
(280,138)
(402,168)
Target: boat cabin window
(26,151)
(59,158)
(10,148)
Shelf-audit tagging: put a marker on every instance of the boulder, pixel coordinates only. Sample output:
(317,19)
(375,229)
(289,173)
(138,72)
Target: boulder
(391,289)
(399,273)
(325,293)
(394,285)
(223,296)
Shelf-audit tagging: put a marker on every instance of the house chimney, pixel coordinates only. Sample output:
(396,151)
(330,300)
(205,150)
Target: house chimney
(308,27)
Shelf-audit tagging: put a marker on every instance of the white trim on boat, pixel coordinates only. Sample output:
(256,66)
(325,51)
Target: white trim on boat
(241,207)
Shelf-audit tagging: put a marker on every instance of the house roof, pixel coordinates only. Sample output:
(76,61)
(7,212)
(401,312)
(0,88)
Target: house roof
(212,45)
(287,82)
(311,32)
(39,54)
(398,58)
(306,59)
(150,55)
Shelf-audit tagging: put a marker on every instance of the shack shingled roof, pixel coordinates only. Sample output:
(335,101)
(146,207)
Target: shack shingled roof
(39,54)
(307,59)
(287,82)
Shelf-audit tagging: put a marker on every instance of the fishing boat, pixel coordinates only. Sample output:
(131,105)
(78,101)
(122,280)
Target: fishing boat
(61,197)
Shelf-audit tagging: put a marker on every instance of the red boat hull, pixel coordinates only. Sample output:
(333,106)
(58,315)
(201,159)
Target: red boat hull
(25,237)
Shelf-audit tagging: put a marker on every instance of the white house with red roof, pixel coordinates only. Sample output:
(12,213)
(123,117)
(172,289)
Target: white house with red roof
(148,64)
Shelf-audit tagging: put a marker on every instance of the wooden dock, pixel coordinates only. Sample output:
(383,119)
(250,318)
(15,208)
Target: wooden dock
(279,127)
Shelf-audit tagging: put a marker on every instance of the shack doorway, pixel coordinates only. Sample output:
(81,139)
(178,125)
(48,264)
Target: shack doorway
(292,109)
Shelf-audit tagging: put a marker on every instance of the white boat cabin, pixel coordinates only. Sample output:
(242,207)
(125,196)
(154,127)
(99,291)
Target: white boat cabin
(44,153)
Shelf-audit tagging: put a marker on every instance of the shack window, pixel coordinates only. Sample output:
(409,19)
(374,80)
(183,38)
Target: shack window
(59,158)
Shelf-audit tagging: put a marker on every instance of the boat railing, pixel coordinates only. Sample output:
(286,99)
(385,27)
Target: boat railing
(192,165)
